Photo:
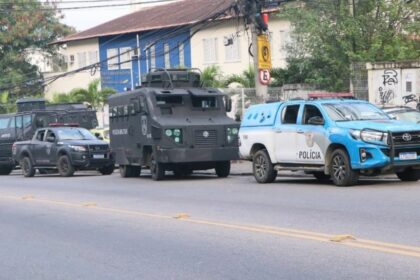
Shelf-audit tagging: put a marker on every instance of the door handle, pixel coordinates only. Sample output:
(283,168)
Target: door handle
(300,131)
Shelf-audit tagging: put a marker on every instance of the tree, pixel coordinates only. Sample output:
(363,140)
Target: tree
(246,78)
(92,95)
(212,77)
(24,25)
(328,35)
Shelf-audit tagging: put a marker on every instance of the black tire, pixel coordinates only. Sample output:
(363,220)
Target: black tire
(263,168)
(6,170)
(129,171)
(223,169)
(157,169)
(409,175)
(321,176)
(341,172)
(65,167)
(107,170)
(27,167)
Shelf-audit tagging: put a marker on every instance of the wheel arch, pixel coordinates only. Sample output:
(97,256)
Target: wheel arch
(331,148)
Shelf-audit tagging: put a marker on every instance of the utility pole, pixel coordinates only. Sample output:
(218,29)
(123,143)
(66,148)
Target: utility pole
(261,46)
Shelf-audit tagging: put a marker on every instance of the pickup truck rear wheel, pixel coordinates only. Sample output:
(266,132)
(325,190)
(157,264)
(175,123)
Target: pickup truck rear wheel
(28,169)
(222,169)
(409,175)
(263,168)
(6,170)
(65,168)
(107,170)
(341,172)
(129,171)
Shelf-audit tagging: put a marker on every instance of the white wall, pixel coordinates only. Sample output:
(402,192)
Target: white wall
(85,48)
(394,83)
(279,35)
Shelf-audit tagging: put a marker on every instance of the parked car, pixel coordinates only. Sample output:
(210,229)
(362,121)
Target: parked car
(65,149)
(332,139)
(403,114)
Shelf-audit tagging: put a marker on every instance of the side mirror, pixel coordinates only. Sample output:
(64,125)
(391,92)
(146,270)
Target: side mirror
(51,139)
(316,121)
(228,104)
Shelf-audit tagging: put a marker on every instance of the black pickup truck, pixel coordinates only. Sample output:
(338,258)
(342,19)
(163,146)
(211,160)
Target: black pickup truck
(65,149)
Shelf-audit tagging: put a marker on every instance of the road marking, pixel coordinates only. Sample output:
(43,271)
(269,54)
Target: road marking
(339,239)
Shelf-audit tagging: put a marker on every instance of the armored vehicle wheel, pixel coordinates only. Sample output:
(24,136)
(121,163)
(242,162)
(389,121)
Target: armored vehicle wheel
(107,170)
(65,168)
(28,169)
(223,169)
(6,170)
(129,171)
(157,169)
(341,172)
(321,176)
(263,169)
(409,175)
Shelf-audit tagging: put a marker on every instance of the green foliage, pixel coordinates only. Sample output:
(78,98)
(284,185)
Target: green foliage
(24,25)
(92,95)
(212,77)
(246,78)
(328,35)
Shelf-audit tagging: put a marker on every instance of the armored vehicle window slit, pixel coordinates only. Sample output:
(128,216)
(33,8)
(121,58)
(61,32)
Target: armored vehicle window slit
(290,114)
(204,102)
(168,100)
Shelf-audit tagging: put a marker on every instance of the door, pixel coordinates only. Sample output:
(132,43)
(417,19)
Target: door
(285,134)
(312,139)
(37,146)
(46,151)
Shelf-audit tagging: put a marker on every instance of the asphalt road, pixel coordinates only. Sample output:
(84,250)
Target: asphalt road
(106,227)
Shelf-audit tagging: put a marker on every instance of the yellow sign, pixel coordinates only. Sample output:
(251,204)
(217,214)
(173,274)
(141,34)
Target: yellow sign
(264,52)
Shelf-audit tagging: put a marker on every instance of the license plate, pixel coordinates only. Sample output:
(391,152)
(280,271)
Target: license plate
(408,156)
(98,156)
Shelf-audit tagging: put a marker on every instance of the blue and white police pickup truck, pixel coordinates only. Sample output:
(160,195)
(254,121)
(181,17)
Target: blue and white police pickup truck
(330,138)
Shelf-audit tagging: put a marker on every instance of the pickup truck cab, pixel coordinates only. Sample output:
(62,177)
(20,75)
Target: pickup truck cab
(65,149)
(331,139)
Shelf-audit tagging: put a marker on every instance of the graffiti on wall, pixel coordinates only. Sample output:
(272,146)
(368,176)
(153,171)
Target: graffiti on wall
(386,91)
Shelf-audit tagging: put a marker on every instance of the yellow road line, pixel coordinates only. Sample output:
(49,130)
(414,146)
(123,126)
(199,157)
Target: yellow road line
(341,239)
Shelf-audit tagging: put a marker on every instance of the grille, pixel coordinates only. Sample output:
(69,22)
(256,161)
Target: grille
(5,150)
(398,138)
(398,151)
(98,148)
(202,141)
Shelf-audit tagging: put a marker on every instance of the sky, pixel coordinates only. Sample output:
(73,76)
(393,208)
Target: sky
(83,19)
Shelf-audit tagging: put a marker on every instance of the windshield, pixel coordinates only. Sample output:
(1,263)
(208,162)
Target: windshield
(75,134)
(410,116)
(354,112)
(4,123)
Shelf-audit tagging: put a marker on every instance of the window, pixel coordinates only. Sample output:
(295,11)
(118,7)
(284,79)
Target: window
(125,57)
(4,123)
(27,120)
(310,112)
(181,54)
(232,51)
(50,134)
(166,51)
(93,57)
(81,59)
(152,54)
(210,50)
(290,114)
(204,102)
(168,100)
(408,86)
(40,135)
(19,121)
(112,59)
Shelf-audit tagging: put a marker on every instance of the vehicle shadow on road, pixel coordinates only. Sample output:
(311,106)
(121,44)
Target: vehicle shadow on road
(362,183)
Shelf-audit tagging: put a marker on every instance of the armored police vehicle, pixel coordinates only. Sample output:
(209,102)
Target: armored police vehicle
(65,149)
(172,124)
(332,139)
(33,114)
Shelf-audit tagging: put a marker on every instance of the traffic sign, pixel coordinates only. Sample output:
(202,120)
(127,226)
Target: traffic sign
(264,52)
(264,76)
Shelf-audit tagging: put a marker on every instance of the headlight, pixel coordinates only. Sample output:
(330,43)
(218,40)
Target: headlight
(175,134)
(371,136)
(78,148)
(232,134)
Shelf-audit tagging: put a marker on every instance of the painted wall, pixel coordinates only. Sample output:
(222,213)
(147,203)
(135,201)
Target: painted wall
(280,36)
(120,76)
(394,83)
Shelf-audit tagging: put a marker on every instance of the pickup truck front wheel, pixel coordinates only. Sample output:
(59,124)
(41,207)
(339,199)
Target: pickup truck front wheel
(263,168)
(64,166)
(28,169)
(107,170)
(341,172)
